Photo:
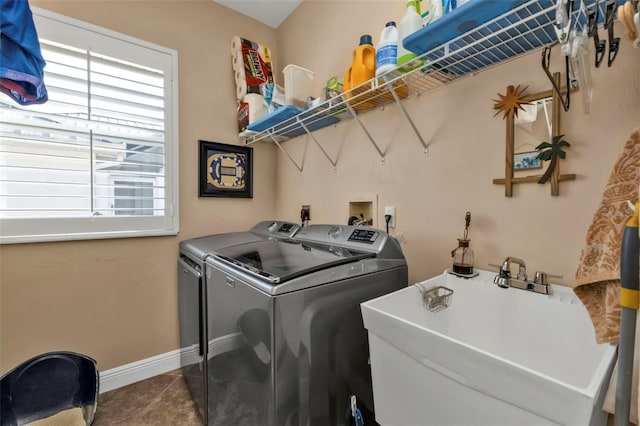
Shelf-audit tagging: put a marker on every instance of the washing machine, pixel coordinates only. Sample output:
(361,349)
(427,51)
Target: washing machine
(197,249)
(283,341)
(192,303)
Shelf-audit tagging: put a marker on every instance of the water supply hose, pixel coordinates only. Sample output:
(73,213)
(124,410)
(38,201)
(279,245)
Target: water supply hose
(629,303)
(356,415)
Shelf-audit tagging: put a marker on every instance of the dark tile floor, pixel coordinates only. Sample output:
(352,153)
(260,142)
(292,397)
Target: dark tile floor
(161,400)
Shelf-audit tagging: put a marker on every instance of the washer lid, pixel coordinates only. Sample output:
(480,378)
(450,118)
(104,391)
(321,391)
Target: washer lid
(279,261)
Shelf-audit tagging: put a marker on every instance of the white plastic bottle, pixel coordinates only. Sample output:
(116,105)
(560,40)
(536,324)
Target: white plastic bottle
(387,49)
(410,23)
(436,11)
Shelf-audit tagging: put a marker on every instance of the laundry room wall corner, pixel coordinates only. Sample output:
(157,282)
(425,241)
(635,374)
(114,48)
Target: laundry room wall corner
(116,299)
(466,152)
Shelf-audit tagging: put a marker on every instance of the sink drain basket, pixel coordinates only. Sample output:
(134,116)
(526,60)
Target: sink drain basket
(437,298)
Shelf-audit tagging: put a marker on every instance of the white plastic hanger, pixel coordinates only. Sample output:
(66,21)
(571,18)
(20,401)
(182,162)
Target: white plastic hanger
(580,56)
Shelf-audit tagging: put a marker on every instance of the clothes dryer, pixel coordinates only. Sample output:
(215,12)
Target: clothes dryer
(192,302)
(283,340)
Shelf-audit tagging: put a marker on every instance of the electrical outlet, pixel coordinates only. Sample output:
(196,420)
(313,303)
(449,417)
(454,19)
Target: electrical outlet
(305,212)
(391,211)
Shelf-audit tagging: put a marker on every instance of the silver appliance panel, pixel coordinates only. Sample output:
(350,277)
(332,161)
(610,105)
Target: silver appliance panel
(361,238)
(280,261)
(318,278)
(202,247)
(321,349)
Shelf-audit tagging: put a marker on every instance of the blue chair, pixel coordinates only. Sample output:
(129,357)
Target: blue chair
(47,385)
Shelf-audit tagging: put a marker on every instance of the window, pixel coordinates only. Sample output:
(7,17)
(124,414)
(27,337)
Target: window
(99,159)
(133,197)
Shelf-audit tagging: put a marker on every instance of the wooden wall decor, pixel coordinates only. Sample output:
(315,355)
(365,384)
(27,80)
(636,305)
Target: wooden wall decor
(509,105)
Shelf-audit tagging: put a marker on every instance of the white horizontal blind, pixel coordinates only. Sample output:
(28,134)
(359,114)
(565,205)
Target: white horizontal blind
(100,157)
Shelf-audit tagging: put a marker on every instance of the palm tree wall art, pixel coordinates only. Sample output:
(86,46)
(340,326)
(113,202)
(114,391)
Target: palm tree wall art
(552,152)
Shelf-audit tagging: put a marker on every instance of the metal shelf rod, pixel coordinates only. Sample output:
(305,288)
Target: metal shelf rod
(408,117)
(355,115)
(333,163)
(299,167)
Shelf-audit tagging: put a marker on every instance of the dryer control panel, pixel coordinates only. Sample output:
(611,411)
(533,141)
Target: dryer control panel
(364,236)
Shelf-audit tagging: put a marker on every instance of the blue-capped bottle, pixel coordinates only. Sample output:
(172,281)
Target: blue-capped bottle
(387,50)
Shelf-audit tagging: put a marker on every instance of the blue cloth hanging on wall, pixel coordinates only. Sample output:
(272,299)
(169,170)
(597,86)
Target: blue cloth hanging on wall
(21,61)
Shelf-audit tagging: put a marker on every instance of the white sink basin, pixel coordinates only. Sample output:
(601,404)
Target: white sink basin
(495,356)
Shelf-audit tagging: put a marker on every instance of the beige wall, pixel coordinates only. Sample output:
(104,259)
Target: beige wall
(116,300)
(432,193)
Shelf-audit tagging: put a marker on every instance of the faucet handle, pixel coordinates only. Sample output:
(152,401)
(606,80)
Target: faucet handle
(522,273)
(542,277)
(504,268)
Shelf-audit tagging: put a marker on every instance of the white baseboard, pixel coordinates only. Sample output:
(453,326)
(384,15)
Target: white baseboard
(140,370)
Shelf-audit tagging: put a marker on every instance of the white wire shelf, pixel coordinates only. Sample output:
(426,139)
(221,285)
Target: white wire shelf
(521,30)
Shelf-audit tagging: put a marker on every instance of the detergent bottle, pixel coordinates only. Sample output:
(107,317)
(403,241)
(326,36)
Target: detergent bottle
(387,51)
(346,86)
(363,65)
(410,23)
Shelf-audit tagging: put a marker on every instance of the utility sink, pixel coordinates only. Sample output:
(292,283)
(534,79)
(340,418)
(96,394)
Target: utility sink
(494,356)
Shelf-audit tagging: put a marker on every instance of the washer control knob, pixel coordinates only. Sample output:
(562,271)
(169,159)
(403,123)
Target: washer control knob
(334,232)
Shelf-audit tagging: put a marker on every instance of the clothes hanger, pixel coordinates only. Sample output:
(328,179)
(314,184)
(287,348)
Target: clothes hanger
(614,42)
(546,62)
(599,45)
(563,22)
(563,30)
(580,53)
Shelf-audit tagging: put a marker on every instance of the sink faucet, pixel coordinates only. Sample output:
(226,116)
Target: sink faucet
(504,279)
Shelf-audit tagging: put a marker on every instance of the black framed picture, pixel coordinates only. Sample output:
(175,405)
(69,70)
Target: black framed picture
(225,170)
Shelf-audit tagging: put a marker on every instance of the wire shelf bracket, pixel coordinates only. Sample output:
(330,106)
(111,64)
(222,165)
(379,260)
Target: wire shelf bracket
(408,117)
(373,142)
(300,166)
(334,163)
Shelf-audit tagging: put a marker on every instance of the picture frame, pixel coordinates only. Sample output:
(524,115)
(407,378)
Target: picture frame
(225,170)
(526,160)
